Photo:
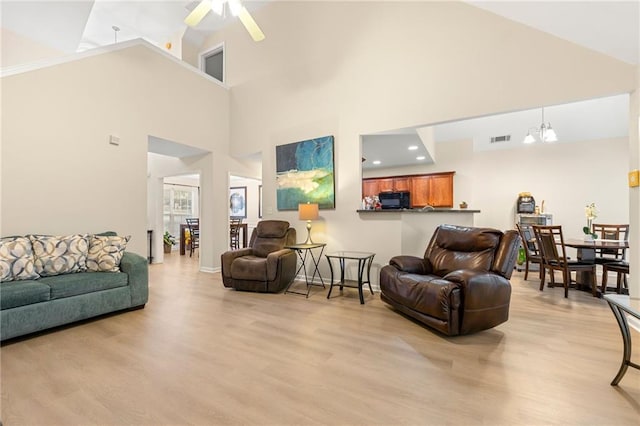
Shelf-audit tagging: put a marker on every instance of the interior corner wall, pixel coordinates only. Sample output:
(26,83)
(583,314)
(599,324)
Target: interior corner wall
(391,65)
(18,50)
(634,192)
(60,175)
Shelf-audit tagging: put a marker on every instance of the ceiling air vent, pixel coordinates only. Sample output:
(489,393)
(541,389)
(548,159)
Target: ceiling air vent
(497,139)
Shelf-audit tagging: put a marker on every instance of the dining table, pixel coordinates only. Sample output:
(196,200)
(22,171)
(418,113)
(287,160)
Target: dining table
(586,252)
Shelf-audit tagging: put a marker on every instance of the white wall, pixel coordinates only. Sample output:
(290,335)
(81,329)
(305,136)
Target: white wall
(353,68)
(59,173)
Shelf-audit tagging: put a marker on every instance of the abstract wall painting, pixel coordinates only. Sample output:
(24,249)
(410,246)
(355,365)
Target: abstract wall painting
(238,201)
(305,173)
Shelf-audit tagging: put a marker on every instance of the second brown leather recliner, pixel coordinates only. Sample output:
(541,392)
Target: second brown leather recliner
(264,266)
(461,285)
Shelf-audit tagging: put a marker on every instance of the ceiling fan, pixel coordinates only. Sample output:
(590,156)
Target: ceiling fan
(217,6)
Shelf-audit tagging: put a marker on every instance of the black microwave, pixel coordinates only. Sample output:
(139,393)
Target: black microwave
(395,200)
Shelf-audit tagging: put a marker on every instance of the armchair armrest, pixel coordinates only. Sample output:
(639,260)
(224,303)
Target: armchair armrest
(277,257)
(411,264)
(481,290)
(227,258)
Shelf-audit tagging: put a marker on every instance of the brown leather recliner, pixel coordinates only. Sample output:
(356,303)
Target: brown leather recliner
(264,266)
(461,285)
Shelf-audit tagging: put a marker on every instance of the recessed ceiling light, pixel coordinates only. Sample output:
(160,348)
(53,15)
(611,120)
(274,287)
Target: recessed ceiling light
(376,162)
(421,157)
(412,148)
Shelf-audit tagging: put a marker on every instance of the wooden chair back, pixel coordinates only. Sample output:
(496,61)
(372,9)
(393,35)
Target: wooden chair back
(193,223)
(551,244)
(528,240)
(234,232)
(611,232)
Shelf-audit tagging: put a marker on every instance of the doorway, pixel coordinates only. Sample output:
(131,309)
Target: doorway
(181,200)
(245,202)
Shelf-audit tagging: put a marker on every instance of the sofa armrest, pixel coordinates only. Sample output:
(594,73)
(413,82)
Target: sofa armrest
(411,264)
(227,258)
(137,268)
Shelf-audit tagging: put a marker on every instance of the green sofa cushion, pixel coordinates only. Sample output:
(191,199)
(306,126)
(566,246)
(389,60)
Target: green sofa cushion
(83,282)
(20,293)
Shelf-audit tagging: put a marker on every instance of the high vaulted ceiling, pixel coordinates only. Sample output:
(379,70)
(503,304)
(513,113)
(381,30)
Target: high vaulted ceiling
(609,27)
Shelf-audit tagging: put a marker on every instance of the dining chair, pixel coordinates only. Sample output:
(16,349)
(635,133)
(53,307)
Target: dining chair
(621,269)
(531,252)
(611,232)
(194,234)
(554,258)
(234,232)
(607,255)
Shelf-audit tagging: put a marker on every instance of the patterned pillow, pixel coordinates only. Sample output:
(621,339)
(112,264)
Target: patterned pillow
(105,253)
(16,259)
(60,255)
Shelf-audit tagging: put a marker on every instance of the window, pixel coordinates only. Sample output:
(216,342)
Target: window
(180,202)
(212,62)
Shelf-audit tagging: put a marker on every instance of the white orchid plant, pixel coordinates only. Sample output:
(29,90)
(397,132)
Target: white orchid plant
(591,212)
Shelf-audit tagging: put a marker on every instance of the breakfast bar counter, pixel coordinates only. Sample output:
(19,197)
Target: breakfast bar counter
(417,225)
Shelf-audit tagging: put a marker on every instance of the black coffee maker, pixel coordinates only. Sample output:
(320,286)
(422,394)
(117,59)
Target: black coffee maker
(526,203)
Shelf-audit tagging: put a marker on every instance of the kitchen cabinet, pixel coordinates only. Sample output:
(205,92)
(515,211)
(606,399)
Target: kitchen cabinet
(441,190)
(371,187)
(433,189)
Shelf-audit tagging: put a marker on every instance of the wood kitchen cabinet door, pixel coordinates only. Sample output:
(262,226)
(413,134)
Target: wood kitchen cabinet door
(433,190)
(420,191)
(441,190)
(402,184)
(370,187)
(385,185)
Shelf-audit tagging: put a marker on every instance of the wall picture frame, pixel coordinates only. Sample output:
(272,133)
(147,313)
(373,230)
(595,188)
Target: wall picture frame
(305,173)
(238,201)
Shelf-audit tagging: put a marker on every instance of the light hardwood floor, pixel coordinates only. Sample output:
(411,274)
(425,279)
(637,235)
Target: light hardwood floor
(200,354)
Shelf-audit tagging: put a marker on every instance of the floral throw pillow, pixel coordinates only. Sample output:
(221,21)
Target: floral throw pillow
(105,253)
(16,259)
(55,255)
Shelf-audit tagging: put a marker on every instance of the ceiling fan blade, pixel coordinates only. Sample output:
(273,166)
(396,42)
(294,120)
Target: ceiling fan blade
(250,24)
(198,13)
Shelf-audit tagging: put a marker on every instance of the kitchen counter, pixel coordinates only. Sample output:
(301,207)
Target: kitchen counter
(415,226)
(435,210)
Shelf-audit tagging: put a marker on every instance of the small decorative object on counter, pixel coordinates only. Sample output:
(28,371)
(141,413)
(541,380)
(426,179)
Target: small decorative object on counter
(464,205)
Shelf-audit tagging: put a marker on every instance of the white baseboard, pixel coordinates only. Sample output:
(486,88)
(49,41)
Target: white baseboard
(210,270)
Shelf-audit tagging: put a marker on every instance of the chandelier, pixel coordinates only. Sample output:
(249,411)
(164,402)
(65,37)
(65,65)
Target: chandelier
(544,133)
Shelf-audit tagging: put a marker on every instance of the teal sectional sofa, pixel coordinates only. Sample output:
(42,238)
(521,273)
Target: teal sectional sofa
(32,305)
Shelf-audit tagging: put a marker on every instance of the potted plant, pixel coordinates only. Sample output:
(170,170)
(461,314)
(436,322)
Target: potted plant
(169,241)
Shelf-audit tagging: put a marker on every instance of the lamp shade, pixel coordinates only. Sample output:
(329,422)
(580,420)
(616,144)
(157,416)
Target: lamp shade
(308,211)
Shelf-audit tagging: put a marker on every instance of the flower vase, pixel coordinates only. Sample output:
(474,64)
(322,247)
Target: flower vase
(588,237)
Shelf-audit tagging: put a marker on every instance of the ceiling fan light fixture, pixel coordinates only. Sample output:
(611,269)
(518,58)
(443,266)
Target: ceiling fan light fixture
(198,13)
(250,24)
(235,7)
(217,6)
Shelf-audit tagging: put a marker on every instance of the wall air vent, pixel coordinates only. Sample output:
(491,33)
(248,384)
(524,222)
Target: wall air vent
(497,139)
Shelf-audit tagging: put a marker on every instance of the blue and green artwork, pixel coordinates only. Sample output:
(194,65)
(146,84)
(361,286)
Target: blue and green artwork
(304,173)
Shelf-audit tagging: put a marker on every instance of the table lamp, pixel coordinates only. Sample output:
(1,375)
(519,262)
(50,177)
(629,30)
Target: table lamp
(308,212)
